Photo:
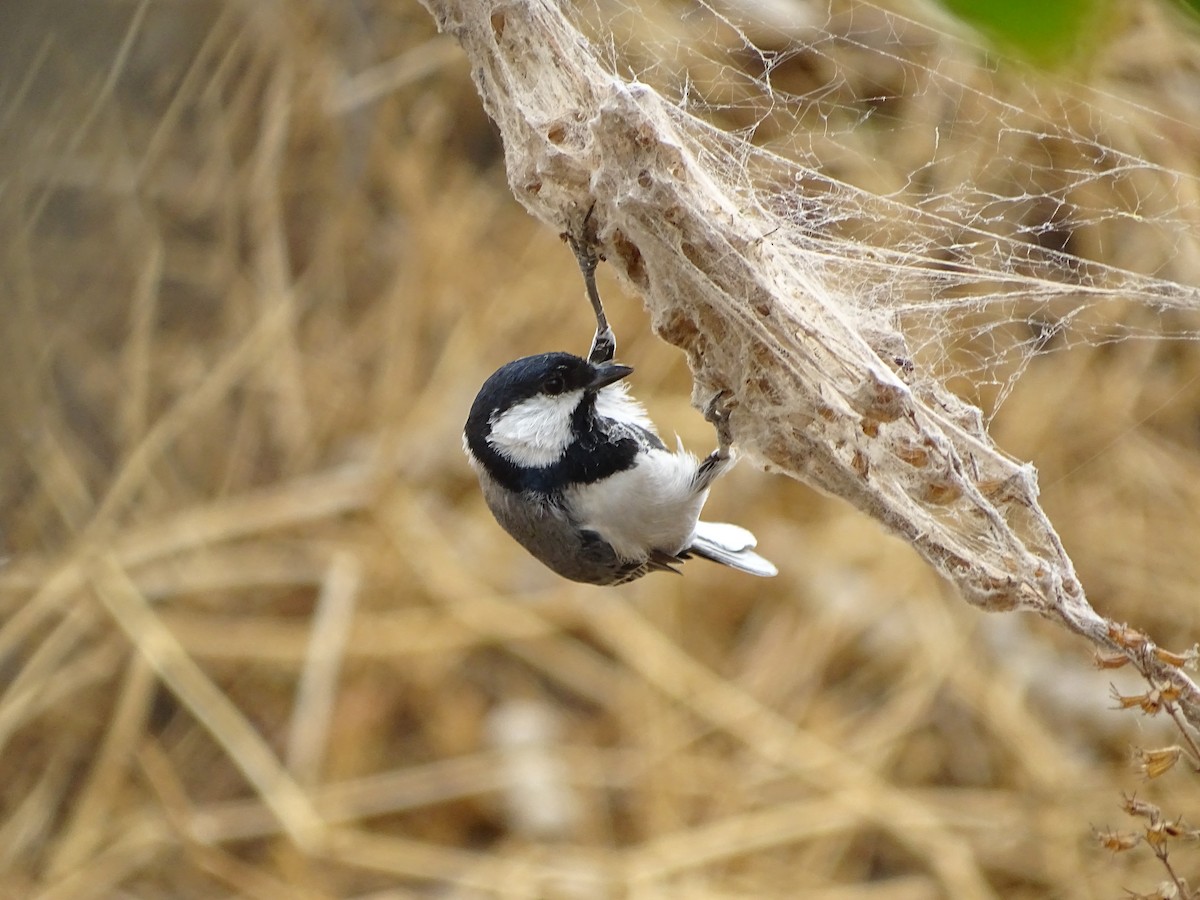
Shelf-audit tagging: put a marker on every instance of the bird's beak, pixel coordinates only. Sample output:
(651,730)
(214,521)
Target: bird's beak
(606,373)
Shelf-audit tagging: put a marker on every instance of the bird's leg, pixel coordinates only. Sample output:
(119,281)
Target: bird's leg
(604,342)
(584,243)
(718,413)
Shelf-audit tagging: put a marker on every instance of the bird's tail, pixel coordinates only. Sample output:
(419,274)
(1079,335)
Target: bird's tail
(732,546)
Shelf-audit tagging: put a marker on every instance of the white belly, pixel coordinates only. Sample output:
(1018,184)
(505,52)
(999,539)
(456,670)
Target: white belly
(653,506)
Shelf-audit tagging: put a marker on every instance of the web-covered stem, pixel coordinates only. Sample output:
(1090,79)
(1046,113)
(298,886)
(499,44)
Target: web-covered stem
(754,283)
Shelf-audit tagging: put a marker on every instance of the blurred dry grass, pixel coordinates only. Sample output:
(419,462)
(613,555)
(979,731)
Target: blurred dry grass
(261,638)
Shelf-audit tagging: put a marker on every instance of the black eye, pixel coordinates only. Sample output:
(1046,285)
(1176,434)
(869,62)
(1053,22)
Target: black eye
(554,385)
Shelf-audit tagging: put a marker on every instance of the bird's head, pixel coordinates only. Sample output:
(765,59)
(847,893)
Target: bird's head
(531,411)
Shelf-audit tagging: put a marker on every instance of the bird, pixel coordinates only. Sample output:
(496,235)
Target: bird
(573,468)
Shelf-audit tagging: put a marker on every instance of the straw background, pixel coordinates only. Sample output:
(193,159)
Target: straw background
(259,636)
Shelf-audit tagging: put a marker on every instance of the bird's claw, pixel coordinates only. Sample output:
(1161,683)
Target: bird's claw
(604,346)
(718,413)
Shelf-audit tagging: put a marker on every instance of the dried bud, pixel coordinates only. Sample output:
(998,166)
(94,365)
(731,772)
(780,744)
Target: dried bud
(1135,807)
(1168,890)
(1169,692)
(1156,835)
(1162,694)
(1178,829)
(1152,702)
(1117,841)
(1126,637)
(1165,891)
(1128,701)
(1157,762)
(1178,660)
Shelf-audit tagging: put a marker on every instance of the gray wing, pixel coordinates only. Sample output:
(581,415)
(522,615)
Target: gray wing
(543,528)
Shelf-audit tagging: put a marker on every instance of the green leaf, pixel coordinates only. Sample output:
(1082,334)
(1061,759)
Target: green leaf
(1047,33)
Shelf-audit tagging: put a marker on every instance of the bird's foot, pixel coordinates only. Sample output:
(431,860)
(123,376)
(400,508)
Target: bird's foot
(718,412)
(714,465)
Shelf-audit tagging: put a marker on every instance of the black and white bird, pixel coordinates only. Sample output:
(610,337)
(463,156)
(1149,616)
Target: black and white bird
(573,468)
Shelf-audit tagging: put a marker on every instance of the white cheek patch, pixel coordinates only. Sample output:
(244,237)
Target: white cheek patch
(536,432)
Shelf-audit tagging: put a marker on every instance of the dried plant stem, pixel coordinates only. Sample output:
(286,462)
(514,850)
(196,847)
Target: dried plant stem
(1180,886)
(1188,738)
(211,707)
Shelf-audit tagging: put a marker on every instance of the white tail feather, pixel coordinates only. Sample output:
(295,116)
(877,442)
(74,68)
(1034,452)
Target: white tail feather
(732,546)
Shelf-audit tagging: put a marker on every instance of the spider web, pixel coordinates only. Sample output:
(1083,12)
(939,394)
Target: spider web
(987,212)
(844,221)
